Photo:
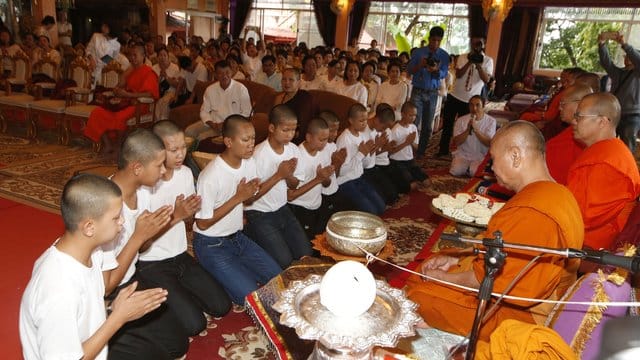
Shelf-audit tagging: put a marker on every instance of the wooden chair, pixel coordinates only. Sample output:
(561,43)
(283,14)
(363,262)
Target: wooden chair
(41,107)
(15,103)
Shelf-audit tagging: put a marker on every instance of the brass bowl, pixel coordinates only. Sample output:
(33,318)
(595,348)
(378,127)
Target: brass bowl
(348,230)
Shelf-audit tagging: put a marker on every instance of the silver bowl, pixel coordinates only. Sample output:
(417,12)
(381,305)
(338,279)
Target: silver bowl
(349,230)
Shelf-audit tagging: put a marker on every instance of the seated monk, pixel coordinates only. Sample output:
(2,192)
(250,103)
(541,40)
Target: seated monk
(541,213)
(604,179)
(141,81)
(563,149)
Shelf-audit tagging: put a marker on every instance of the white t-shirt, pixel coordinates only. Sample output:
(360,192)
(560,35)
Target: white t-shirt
(267,162)
(113,249)
(252,65)
(356,91)
(394,95)
(191,78)
(63,28)
(308,166)
(465,87)
(326,153)
(274,81)
(217,183)
(218,103)
(173,71)
(333,85)
(399,134)
(316,84)
(352,167)
(174,241)
(382,158)
(472,149)
(62,306)
(369,161)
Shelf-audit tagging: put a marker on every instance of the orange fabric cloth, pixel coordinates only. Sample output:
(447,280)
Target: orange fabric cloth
(140,80)
(517,340)
(543,213)
(562,151)
(606,183)
(552,113)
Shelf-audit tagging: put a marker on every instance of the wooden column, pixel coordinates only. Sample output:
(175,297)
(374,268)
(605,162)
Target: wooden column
(342,24)
(494,34)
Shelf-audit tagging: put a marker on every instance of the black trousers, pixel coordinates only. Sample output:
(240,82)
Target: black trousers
(192,290)
(311,220)
(383,185)
(452,108)
(409,170)
(155,336)
(401,184)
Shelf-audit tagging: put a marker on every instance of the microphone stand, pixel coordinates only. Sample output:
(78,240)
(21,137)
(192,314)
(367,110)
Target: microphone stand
(494,259)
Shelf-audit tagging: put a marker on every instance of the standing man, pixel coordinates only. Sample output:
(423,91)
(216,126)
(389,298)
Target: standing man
(473,71)
(625,85)
(428,66)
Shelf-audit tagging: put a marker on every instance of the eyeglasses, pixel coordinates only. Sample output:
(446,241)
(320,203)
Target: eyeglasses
(577,115)
(563,103)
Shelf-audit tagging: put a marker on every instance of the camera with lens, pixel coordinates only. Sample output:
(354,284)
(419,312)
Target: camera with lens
(476,58)
(431,61)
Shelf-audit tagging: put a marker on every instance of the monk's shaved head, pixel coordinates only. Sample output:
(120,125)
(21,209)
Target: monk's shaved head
(141,145)
(84,197)
(577,92)
(521,134)
(592,80)
(603,104)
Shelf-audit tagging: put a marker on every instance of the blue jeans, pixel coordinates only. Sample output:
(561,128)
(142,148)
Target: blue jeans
(236,262)
(425,102)
(628,130)
(279,233)
(363,195)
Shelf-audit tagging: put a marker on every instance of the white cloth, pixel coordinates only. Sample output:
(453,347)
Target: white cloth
(239,75)
(472,149)
(267,162)
(174,241)
(316,84)
(352,167)
(333,85)
(382,158)
(252,65)
(63,28)
(394,95)
(52,54)
(100,46)
(308,166)
(113,248)
(62,306)
(173,71)
(464,88)
(326,153)
(218,103)
(399,134)
(191,78)
(217,183)
(7,53)
(369,161)
(356,91)
(274,81)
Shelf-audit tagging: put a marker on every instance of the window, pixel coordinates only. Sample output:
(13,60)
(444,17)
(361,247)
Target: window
(569,36)
(398,25)
(285,21)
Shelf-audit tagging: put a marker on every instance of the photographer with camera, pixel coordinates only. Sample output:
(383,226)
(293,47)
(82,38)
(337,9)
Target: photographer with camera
(428,65)
(625,85)
(473,71)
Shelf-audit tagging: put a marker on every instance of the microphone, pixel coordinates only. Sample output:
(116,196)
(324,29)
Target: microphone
(631,263)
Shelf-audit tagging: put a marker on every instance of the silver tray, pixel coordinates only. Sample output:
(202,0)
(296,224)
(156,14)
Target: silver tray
(392,316)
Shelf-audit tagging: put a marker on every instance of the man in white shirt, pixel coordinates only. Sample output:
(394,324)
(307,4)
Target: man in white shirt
(62,312)
(269,76)
(64,29)
(472,136)
(473,71)
(192,73)
(221,99)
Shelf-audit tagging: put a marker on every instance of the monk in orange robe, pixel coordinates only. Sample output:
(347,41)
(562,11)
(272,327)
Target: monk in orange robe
(563,149)
(604,179)
(142,81)
(541,213)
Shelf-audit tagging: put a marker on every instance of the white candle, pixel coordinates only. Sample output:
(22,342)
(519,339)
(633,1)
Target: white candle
(348,289)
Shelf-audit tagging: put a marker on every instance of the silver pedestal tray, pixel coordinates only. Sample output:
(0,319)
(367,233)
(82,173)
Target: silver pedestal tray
(391,317)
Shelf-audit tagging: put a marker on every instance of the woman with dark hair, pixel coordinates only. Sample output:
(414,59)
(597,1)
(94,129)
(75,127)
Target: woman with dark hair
(352,86)
(310,79)
(101,50)
(236,67)
(300,101)
(7,50)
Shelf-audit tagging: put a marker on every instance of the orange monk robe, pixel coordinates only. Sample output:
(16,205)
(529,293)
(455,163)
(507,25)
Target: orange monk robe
(543,213)
(605,181)
(562,151)
(140,80)
(552,112)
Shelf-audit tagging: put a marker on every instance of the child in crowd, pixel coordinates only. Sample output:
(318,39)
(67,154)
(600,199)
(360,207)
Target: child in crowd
(406,141)
(381,125)
(166,263)
(316,170)
(372,173)
(62,313)
(225,184)
(358,146)
(270,222)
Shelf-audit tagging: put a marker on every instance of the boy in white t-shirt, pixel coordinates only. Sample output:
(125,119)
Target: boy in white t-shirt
(358,146)
(225,185)
(305,201)
(381,125)
(270,222)
(62,313)
(404,135)
(166,262)
(140,166)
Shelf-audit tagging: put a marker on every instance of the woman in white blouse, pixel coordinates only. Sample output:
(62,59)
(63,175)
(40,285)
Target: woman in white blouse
(394,91)
(352,86)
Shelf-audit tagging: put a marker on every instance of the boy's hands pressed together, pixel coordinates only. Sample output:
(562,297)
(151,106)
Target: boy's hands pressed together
(186,207)
(247,189)
(287,167)
(149,224)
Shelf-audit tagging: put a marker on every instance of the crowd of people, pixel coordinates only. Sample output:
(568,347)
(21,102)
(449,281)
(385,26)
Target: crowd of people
(256,207)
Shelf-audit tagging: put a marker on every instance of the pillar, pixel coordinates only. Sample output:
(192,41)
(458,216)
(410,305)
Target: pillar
(342,23)
(494,34)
